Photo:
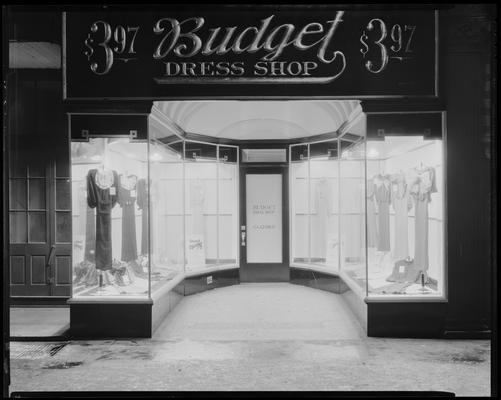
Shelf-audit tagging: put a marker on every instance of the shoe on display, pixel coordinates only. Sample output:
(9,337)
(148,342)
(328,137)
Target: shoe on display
(81,270)
(91,278)
(108,278)
(137,270)
(143,263)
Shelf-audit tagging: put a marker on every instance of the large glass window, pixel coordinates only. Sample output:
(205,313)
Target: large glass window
(211,205)
(166,207)
(201,205)
(314,204)
(228,205)
(110,191)
(405,216)
(352,211)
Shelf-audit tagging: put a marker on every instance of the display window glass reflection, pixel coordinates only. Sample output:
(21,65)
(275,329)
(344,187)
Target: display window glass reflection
(405,216)
(314,203)
(211,204)
(352,213)
(166,208)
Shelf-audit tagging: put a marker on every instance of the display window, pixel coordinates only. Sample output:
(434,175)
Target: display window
(148,211)
(371,210)
(110,194)
(352,212)
(315,204)
(166,207)
(210,205)
(368,209)
(405,209)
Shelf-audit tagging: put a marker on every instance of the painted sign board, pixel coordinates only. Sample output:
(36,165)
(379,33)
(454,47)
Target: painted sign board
(250,54)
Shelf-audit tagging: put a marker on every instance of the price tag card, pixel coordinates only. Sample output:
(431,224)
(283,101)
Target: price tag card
(113,191)
(133,193)
(401,269)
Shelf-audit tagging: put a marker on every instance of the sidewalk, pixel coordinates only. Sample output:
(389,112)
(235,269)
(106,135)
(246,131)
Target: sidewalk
(39,322)
(256,337)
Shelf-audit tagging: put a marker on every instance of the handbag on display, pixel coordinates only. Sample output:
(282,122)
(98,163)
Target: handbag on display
(404,271)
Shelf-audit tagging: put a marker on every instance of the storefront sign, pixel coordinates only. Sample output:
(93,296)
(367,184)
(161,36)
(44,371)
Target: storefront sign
(173,54)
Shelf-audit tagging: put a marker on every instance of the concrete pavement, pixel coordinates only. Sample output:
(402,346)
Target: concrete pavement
(256,337)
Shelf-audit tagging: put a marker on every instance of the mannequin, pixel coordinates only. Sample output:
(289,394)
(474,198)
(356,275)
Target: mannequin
(382,192)
(421,191)
(421,183)
(401,203)
(102,186)
(197,207)
(196,240)
(83,270)
(142,204)
(371,215)
(127,198)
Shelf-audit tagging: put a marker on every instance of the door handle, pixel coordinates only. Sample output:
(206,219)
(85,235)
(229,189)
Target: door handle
(49,278)
(242,234)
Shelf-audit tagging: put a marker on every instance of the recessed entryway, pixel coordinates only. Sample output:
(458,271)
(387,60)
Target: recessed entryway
(261,311)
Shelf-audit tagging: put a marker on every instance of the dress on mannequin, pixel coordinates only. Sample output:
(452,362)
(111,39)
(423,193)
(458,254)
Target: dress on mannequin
(402,203)
(86,227)
(352,220)
(142,203)
(421,191)
(102,195)
(127,198)
(197,207)
(322,206)
(371,215)
(90,235)
(382,192)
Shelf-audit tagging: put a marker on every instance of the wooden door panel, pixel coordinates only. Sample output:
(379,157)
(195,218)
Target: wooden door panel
(40,218)
(28,268)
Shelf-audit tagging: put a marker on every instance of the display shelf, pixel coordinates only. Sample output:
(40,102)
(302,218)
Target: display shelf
(358,287)
(204,214)
(196,179)
(316,267)
(212,268)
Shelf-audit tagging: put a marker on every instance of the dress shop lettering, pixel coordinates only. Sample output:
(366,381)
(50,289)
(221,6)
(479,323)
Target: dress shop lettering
(262,209)
(192,48)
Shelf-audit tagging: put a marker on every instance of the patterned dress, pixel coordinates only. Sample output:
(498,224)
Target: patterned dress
(422,188)
(371,215)
(127,198)
(382,192)
(401,203)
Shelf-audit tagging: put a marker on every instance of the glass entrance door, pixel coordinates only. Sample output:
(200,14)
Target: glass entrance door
(264,225)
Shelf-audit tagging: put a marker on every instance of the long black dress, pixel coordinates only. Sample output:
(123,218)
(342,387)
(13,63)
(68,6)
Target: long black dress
(90,235)
(127,198)
(103,200)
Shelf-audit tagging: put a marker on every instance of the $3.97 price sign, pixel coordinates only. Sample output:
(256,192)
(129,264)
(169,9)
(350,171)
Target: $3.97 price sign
(400,47)
(114,42)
